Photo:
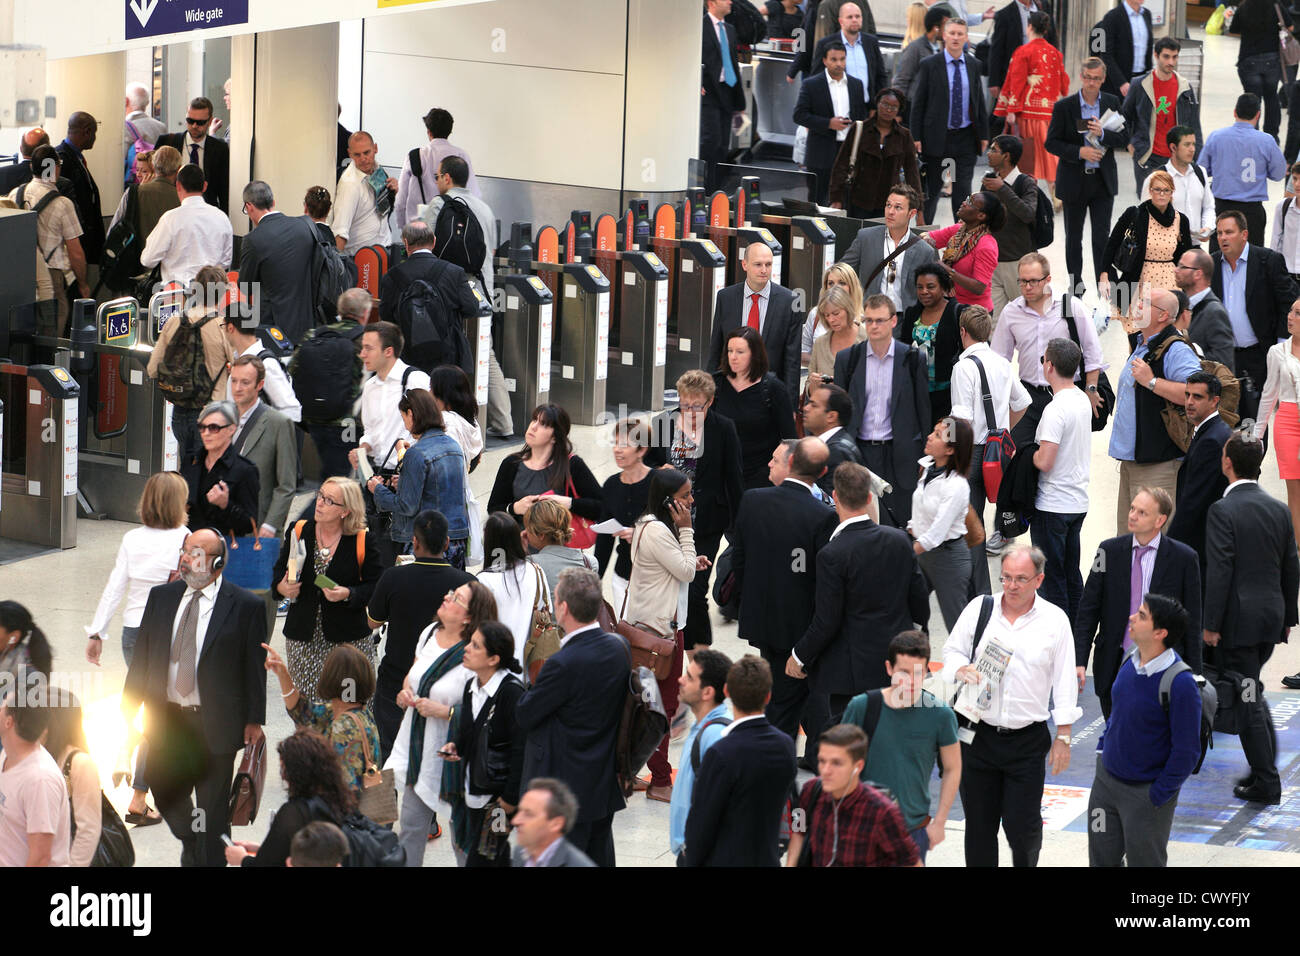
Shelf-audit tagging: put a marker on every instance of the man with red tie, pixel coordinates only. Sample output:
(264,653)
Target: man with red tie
(767,308)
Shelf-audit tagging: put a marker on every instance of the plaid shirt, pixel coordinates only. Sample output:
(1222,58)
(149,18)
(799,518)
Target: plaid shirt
(864,829)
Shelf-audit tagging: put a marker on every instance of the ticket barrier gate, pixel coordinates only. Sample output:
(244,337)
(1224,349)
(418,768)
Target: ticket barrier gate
(38,465)
(733,240)
(580,358)
(808,241)
(526,332)
(478,330)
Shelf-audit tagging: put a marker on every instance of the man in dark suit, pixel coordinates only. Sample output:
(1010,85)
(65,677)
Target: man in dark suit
(1086,179)
(1009,35)
(864,61)
(785,520)
(1200,476)
(763,305)
(197,147)
(1116,588)
(82,129)
(275,263)
(571,714)
(546,813)
(844,648)
(1126,48)
(422,265)
(744,779)
(950,118)
(1207,323)
(889,386)
(721,95)
(1257,313)
(830,102)
(1250,603)
(824,414)
(199,668)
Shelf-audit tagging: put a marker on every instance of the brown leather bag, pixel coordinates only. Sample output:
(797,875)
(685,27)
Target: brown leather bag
(648,648)
(974,528)
(246,788)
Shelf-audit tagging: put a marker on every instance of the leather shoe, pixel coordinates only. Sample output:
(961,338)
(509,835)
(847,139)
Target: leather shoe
(662,794)
(1255,794)
(641,783)
(1293,681)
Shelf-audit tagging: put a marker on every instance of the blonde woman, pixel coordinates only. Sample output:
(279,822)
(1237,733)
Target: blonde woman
(846,277)
(548,531)
(145,558)
(843,328)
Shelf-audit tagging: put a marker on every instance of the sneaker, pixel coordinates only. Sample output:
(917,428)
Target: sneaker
(995,543)
(282,608)
(435,831)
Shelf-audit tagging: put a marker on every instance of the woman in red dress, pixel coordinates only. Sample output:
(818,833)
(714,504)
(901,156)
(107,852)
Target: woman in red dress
(1036,79)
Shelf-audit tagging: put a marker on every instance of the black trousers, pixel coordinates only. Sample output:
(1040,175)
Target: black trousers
(1256,218)
(331,449)
(388,716)
(699,629)
(793,704)
(895,507)
(1253,362)
(486,817)
(1027,427)
(823,183)
(380,524)
(1096,202)
(596,839)
(1255,724)
(715,140)
(961,147)
(182,770)
(1002,778)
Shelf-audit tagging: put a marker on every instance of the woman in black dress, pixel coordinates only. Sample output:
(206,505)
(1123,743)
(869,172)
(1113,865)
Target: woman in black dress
(755,401)
(546,465)
(625,494)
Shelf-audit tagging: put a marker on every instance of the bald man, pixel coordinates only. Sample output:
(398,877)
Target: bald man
(364,198)
(1155,374)
(82,130)
(199,667)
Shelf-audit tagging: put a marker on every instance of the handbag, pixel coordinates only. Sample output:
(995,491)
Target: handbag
(378,797)
(544,635)
(974,528)
(1288,46)
(851,181)
(1128,257)
(114,848)
(251,561)
(246,788)
(1104,390)
(648,648)
(999,448)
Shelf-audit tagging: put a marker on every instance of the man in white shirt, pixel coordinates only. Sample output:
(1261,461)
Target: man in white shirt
(1003,754)
(1286,226)
(829,103)
(1192,196)
(191,236)
(360,215)
(415,189)
(1063,461)
(58,231)
(1009,400)
(35,821)
(278,392)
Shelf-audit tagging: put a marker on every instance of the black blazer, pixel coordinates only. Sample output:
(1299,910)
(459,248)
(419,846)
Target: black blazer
(739,797)
(275,258)
(85,196)
(719,480)
(877,75)
(1211,329)
(776,597)
(815,110)
(216,166)
(1253,575)
(757,436)
(231,668)
(930,93)
(909,404)
(1138,218)
(1117,50)
(341,621)
(843,649)
(588,500)
(497,720)
(447,277)
(1009,36)
(1065,140)
(1201,483)
(947,338)
(1270,290)
(782,331)
(571,716)
(843,447)
(239,517)
(717,93)
(1104,607)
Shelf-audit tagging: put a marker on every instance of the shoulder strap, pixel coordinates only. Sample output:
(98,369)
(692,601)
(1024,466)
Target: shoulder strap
(297,528)
(990,416)
(406,374)
(1167,681)
(365,741)
(632,556)
(695,745)
(875,703)
(1067,313)
(986,614)
(853,156)
(902,247)
(1201,176)
(1286,204)
(361,549)
(543,600)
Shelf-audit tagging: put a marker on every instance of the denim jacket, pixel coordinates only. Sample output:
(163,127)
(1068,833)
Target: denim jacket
(432,475)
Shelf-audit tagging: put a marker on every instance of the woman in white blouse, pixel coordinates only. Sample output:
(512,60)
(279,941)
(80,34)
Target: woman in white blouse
(430,693)
(454,395)
(146,558)
(512,577)
(938,524)
(1282,393)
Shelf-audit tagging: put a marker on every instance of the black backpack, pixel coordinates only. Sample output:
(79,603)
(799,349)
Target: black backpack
(369,844)
(459,237)
(324,362)
(417,171)
(1209,704)
(749,23)
(120,260)
(330,275)
(1044,228)
(432,333)
(114,848)
(695,747)
(183,373)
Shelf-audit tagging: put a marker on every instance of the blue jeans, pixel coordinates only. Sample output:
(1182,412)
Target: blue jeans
(1260,74)
(129,636)
(922,841)
(1057,536)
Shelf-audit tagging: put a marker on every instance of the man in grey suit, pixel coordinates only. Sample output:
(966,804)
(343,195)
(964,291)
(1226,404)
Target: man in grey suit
(546,813)
(872,245)
(265,437)
(1252,581)
(770,308)
(1207,323)
(275,262)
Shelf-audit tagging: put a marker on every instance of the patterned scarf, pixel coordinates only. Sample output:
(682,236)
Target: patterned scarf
(962,243)
(448,660)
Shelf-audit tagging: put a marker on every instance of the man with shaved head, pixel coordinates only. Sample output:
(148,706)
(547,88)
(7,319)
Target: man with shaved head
(82,130)
(1155,374)
(199,667)
(1208,326)
(364,198)
(11,177)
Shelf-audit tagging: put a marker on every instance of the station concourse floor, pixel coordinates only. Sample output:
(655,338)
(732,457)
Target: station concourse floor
(62,589)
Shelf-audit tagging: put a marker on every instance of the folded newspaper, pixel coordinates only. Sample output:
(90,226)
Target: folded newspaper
(973,700)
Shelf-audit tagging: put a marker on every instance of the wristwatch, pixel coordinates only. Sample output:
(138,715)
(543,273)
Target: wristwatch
(1152,384)
(1092,388)
(1064,738)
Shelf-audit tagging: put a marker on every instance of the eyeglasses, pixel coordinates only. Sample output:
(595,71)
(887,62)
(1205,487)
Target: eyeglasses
(693,408)
(1161,190)
(1018,581)
(867,321)
(1032,282)
(451,596)
(212,428)
(321,496)
(191,121)
(887,107)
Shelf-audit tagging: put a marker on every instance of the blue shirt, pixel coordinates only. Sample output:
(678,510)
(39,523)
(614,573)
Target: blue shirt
(1089,111)
(680,807)
(1180,362)
(1140,35)
(1241,159)
(856,62)
(1234,300)
(948,61)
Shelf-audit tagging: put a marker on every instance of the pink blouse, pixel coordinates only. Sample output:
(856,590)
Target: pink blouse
(978,264)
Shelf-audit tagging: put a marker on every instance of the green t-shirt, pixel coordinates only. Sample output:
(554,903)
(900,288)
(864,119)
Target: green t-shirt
(904,750)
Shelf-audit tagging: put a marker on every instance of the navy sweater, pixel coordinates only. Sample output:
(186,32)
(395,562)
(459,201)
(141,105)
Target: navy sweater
(1141,744)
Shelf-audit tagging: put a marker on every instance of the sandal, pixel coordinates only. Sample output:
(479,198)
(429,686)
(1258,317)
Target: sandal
(146,819)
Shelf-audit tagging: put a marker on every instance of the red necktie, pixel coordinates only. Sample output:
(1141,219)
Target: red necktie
(752,321)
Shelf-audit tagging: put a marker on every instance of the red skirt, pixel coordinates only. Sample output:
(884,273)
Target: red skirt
(1286,440)
(1036,161)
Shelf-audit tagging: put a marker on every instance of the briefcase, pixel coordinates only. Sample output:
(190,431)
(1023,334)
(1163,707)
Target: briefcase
(246,789)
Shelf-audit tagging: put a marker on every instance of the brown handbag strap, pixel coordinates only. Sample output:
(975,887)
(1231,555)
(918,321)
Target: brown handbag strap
(543,600)
(371,766)
(632,550)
